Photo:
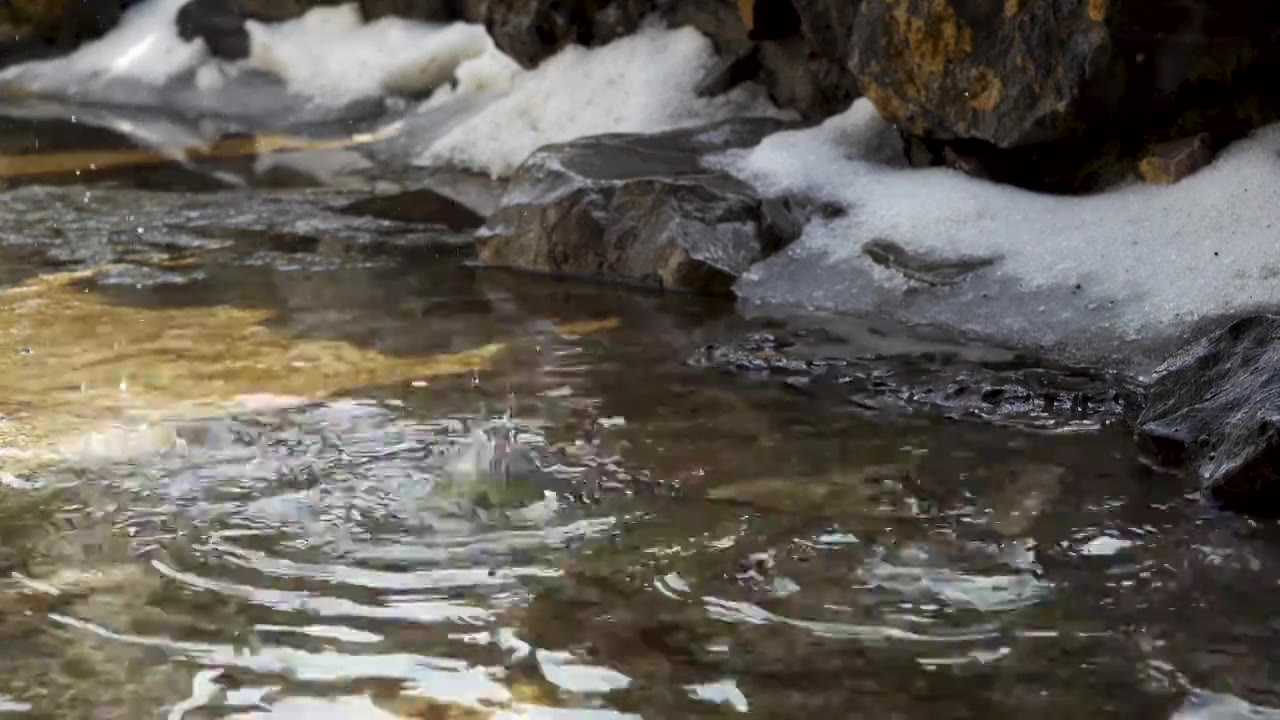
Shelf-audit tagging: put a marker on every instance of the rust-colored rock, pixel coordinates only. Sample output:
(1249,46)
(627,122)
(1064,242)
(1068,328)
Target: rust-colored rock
(1067,95)
(965,69)
(1169,162)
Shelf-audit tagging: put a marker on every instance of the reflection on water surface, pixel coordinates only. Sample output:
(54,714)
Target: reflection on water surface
(265,460)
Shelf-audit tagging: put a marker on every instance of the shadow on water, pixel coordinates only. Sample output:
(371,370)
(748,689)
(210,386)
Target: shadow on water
(265,460)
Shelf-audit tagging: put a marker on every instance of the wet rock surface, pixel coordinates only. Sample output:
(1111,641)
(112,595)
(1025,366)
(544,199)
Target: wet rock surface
(639,208)
(1215,408)
(1016,391)
(417,206)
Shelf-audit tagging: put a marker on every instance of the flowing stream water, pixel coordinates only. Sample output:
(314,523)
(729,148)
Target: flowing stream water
(262,459)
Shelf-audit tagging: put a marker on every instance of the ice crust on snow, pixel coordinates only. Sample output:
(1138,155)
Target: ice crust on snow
(1100,275)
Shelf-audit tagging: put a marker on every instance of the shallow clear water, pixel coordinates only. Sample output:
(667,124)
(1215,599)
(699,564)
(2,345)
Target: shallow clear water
(264,460)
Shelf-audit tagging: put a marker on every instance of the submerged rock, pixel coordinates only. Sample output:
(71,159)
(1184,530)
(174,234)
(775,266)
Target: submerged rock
(417,206)
(1015,391)
(1215,408)
(639,208)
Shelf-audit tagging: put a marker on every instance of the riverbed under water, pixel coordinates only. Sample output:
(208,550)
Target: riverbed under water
(261,459)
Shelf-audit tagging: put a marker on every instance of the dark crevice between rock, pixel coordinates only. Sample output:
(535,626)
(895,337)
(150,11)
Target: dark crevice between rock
(773,20)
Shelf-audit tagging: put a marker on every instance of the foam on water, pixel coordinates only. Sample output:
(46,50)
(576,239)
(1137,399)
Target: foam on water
(641,83)
(1090,275)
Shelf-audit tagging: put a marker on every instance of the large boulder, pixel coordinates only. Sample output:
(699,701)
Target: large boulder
(1048,93)
(640,209)
(1215,408)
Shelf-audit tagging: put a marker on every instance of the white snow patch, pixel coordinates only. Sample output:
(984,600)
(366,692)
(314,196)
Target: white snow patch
(329,55)
(644,82)
(144,46)
(1093,272)
(330,52)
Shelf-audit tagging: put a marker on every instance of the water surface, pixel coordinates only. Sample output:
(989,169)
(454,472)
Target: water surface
(262,459)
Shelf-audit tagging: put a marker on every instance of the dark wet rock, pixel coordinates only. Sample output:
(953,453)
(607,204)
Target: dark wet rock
(428,10)
(1215,408)
(532,30)
(220,23)
(1066,94)
(418,206)
(639,208)
(1169,162)
(1017,391)
(280,10)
